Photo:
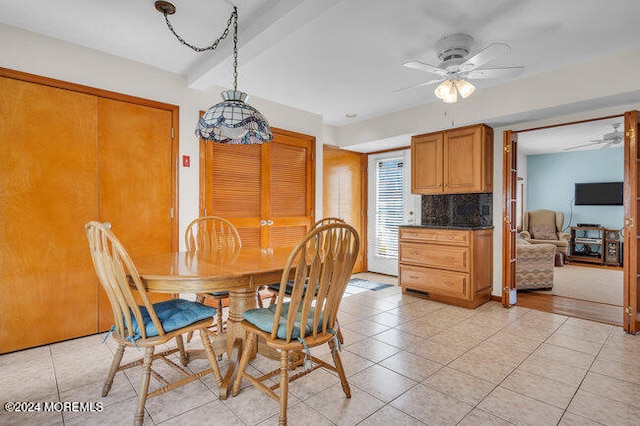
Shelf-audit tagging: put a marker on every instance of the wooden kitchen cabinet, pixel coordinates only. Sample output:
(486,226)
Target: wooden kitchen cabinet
(453,161)
(446,265)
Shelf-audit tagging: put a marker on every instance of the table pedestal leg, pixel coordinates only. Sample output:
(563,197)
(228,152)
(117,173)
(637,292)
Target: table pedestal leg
(240,300)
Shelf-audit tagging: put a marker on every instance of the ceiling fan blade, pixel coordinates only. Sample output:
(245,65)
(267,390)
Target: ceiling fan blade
(495,73)
(425,83)
(599,140)
(485,55)
(607,145)
(582,146)
(416,65)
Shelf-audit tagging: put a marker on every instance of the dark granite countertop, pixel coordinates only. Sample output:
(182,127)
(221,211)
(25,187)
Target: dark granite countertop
(454,227)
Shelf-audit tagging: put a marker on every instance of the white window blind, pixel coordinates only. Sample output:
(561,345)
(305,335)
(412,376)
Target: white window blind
(389,205)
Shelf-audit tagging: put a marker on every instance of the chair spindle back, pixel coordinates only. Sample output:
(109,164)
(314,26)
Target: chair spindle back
(211,233)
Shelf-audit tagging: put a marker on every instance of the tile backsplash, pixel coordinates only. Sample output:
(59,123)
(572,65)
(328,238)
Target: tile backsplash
(458,209)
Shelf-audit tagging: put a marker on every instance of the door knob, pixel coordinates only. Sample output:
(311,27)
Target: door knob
(270,222)
(263,222)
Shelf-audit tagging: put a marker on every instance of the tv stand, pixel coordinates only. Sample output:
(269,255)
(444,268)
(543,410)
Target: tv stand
(586,244)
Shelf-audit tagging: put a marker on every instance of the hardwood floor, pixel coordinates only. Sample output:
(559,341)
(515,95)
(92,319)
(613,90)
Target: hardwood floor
(576,308)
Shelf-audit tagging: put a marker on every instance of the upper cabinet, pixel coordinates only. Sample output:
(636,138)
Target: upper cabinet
(453,161)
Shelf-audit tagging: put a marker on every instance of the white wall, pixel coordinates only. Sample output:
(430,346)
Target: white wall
(36,54)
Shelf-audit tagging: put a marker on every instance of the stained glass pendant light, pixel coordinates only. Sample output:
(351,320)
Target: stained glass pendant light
(231,121)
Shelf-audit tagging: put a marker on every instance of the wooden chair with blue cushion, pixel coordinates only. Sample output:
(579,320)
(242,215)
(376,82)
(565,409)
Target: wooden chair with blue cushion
(147,325)
(212,233)
(323,259)
(275,288)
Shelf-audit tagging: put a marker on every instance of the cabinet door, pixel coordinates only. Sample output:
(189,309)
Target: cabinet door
(426,164)
(463,157)
(48,288)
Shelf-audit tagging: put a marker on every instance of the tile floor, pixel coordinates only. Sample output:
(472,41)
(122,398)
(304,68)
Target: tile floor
(409,361)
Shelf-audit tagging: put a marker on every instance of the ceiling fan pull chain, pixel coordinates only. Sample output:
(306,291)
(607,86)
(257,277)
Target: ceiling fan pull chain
(233,18)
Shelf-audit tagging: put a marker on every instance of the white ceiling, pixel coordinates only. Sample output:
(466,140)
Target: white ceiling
(334,57)
(555,140)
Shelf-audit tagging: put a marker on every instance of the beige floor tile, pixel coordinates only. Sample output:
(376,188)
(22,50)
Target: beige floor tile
(371,349)
(412,366)
(431,406)
(514,340)
(479,417)
(120,413)
(31,414)
(387,319)
(30,379)
(365,327)
(483,368)
(340,410)
(179,400)
(299,414)
(345,318)
(460,340)
(351,362)
(349,337)
(437,352)
(541,388)
(459,385)
(312,384)
(585,330)
(26,356)
(387,416)
(574,343)
(604,410)
(121,389)
(617,369)
(358,310)
(214,412)
(520,409)
(382,383)
(398,338)
(565,355)
(570,419)
(554,370)
(252,406)
(609,387)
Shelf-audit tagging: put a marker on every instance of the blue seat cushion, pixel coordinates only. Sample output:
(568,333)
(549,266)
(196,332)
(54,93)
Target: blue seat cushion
(263,319)
(173,314)
(219,294)
(289,289)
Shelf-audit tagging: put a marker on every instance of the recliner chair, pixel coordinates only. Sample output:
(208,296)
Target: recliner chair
(545,227)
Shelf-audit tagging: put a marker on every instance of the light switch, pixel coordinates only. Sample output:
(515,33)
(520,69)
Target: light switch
(186,161)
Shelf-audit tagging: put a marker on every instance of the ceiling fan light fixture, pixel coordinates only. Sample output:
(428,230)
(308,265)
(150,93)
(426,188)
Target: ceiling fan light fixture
(445,89)
(465,88)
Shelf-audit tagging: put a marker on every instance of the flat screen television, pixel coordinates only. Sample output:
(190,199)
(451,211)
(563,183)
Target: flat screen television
(599,194)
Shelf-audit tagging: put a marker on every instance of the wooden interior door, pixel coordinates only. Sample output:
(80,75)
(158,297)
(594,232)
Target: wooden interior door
(344,192)
(136,167)
(267,191)
(631,320)
(48,288)
(509,230)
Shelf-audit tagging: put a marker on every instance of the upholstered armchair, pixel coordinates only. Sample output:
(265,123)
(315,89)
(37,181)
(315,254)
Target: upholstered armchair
(545,227)
(534,265)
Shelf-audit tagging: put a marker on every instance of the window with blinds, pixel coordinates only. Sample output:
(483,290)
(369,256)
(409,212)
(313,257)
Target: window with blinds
(389,206)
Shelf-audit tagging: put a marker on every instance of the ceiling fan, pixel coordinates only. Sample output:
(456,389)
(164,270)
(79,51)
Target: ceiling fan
(608,140)
(456,67)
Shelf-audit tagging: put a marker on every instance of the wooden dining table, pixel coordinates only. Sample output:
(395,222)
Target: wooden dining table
(239,271)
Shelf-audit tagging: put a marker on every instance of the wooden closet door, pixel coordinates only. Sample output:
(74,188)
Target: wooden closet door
(135,183)
(291,188)
(233,187)
(48,288)
(251,185)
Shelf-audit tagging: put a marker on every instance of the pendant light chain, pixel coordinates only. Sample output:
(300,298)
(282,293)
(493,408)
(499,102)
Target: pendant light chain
(235,47)
(233,18)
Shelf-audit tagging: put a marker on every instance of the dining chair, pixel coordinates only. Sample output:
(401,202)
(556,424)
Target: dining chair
(209,234)
(324,259)
(274,289)
(148,325)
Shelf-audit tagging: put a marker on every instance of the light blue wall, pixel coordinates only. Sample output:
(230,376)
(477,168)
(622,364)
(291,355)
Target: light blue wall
(551,179)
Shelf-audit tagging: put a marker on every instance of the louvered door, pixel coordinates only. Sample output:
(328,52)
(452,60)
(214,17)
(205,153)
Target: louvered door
(266,190)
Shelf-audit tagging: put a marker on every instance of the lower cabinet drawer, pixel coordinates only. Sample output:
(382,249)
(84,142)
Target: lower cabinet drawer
(435,256)
(446,283)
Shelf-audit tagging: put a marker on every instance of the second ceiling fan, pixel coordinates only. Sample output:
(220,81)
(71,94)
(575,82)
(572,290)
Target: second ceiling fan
(456,67)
